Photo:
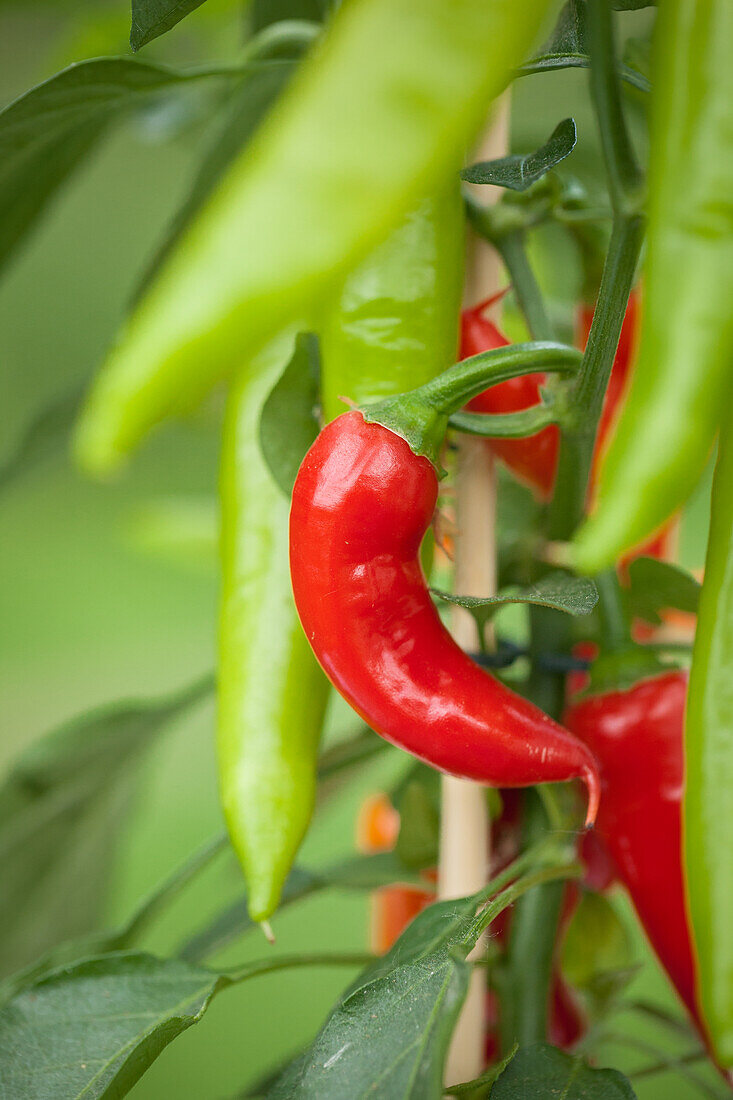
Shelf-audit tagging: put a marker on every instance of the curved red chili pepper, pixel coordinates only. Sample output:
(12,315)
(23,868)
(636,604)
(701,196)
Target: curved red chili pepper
(362,503)
(637,736)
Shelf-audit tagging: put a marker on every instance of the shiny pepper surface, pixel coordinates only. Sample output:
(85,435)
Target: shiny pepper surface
(361,504)
(636,736)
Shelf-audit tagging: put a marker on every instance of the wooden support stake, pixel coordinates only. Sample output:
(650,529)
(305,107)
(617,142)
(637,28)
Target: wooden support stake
(464,842)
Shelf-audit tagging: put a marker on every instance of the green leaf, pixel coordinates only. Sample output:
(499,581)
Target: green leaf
(520,172)
(632,5)
(542,1072)
(151,18)
(289,418)
(558,590)
(60,809)
(47,132)
(656,586)
(92,1029)
(388,1038)
(360,873)
(118,939)
(43,437)
(389,1034)
(567,48)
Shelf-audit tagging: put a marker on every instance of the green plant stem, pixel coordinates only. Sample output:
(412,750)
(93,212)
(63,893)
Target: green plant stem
(622,170)
(531,951)
(581,425)
(614,622)
(548,630)
(421,415)
(504,425)
(536,918)
(284,962)
(513,249)
(450,390)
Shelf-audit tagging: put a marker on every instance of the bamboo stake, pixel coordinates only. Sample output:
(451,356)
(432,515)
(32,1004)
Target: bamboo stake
(464,842)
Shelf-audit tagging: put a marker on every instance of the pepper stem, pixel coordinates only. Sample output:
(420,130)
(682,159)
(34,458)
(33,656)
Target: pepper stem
(421,416)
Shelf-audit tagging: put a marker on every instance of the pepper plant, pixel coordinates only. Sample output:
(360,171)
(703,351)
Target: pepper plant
(314,275)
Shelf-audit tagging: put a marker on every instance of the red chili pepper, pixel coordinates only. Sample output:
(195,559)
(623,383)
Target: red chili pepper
(534,459)
(637,736)
(362,503)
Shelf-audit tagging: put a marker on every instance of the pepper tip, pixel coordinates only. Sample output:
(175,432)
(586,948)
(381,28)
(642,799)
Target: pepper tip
(593,784)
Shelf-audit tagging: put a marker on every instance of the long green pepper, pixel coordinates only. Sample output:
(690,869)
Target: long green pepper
(708,805)
(393,325)
(384,106)
(395,322)
(272,693)
(683,377)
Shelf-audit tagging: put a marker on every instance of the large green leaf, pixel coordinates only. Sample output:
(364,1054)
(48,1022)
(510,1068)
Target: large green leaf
(388,1038)
(362,872)
(389,1034)
(123,937)
(60,809)
(92,1029)
(542,1072)
(48,131)
(151,18)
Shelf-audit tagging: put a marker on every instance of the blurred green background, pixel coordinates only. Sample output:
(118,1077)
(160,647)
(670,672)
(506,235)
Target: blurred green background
(94,608)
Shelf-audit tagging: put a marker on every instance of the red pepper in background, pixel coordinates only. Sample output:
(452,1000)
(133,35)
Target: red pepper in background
(362,503)
(534,458)
(637,736)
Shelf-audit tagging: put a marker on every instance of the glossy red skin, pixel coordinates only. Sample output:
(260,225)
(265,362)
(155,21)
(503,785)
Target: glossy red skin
(637,736)
(361,504)
(534,458)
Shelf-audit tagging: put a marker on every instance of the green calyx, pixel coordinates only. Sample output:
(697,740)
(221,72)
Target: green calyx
(421,416)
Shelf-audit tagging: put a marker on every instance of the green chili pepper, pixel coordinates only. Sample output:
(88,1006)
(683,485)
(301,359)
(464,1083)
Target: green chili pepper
(272,694)
(395,324)
(708,806)
(383,106)
(683,377)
